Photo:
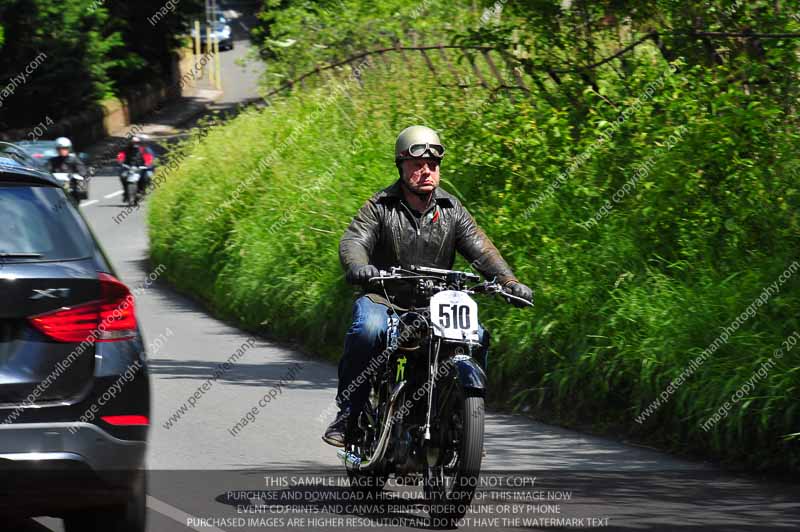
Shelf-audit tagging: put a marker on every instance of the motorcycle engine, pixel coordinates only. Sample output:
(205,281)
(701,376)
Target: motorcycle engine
(404,455)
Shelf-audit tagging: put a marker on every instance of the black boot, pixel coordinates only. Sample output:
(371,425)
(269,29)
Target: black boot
(334,434)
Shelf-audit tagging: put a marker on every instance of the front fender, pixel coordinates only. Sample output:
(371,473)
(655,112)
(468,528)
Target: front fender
(470,374)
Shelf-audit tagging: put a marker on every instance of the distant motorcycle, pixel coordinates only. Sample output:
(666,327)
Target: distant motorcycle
(424,419)
(132,176)
(74,185)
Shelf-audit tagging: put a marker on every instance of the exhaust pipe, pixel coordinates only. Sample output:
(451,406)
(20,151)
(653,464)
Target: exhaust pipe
(353,461)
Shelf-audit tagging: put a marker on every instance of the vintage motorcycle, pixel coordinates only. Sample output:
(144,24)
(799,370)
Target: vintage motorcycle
(424,420)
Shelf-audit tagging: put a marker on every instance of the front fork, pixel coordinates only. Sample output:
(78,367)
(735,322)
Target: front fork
(469,377)
(459,373)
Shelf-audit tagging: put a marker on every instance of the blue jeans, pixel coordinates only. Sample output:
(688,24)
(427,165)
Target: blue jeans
(365,340)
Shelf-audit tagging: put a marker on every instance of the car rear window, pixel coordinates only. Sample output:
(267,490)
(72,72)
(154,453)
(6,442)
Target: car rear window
(39,220)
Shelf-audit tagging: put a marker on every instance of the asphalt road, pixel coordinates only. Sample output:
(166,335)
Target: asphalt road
(199,470)
(276,473)
(240,76)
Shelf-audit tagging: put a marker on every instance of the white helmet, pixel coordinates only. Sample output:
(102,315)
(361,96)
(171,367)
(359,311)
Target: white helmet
(63,142)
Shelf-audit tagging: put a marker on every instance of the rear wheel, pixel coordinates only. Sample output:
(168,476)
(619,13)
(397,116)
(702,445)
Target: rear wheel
(451,482)
(129,516)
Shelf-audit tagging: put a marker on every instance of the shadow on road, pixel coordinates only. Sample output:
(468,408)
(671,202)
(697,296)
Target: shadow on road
(654,501)
(399,508)
(259,373)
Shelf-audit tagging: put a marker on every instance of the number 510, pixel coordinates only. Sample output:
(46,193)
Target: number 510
(457,315)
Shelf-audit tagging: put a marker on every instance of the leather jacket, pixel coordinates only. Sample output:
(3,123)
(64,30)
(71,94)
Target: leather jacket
(386,233)
(136,157)
(70,164)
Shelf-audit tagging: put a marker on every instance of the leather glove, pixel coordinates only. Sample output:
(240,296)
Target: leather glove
(518,289)
(362,274)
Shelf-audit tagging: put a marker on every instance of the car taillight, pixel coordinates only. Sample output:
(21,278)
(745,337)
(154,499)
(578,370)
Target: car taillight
(126,420)
(109,319)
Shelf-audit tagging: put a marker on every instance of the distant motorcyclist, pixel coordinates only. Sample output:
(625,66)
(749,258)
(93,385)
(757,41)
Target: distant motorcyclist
(136,154)
(66,161)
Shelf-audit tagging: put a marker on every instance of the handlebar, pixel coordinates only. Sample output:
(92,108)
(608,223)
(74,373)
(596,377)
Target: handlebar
(420,273)
(494,287)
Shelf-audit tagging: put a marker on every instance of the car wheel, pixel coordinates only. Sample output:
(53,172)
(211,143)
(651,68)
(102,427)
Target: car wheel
(129,516)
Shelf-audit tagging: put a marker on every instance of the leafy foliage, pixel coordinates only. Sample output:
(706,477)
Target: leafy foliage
(296,36)
(91,50)
(631,286)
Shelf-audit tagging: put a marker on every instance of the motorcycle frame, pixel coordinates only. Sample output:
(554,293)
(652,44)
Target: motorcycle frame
(466,374)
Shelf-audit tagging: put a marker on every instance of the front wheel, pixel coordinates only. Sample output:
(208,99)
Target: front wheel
(84,193)
(451,482)
(132,194)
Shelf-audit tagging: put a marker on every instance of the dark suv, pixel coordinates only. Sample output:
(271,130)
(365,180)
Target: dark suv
(74,391)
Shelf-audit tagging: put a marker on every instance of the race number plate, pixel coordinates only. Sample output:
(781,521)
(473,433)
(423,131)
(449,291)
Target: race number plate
(454,316)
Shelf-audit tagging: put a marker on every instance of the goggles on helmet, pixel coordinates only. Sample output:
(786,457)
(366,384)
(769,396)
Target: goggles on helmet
(421,150)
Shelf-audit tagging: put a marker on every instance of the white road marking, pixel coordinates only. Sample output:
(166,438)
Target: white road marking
(90,202)
(117,193)
(243,25)
(177,515)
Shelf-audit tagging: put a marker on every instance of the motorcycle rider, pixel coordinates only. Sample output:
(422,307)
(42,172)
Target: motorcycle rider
(66,162)
(414,222)
(136,154)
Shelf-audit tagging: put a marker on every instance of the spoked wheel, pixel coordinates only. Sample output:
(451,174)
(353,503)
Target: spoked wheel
(450,483)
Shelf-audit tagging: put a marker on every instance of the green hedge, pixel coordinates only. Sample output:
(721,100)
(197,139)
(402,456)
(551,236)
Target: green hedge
(251,218)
